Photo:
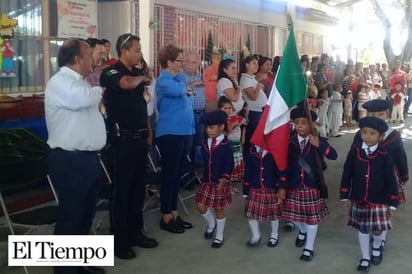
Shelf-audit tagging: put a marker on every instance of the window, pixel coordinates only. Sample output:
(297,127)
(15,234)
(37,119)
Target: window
(35,52)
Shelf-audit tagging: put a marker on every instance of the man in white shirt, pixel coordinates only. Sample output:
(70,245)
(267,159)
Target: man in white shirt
(76,133)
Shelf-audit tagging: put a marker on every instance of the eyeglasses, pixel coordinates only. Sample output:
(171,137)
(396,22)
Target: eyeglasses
(179,60)
(125,41)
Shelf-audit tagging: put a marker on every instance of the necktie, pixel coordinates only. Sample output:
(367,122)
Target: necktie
(213,144)
(368,151)
(302,145)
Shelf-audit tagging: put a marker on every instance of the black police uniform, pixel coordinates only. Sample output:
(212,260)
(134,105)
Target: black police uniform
(128,132)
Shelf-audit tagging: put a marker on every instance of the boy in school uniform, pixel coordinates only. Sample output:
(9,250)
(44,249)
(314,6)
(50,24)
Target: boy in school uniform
(368,189)
(303,204)
(215,189)
(264,190)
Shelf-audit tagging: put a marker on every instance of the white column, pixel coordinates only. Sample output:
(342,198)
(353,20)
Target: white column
(146,18)
(45,34)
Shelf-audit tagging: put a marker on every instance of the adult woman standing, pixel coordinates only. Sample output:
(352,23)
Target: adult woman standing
(175,125)
(254,96)
(228,86)
(210,77)
(265,75)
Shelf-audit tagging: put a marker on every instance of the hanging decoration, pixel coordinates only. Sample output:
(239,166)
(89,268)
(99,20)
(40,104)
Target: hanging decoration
(209,48)
(7,25)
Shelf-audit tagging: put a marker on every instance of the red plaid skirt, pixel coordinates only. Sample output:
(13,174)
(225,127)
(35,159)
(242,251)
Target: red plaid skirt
(211,198)
(369,217)
(261,205)
(304,205)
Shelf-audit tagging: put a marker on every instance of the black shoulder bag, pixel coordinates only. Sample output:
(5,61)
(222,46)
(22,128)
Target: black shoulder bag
(319,179)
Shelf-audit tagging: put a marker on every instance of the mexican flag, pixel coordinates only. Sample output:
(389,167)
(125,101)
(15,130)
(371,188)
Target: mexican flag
(289,88)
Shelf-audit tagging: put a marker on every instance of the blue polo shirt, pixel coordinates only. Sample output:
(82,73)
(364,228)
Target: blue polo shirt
(175,110)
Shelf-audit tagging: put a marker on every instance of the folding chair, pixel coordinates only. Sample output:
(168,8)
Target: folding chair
(105,194)
(193,177)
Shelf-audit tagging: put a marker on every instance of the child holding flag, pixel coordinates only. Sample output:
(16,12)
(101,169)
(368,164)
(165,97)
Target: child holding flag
(303,204)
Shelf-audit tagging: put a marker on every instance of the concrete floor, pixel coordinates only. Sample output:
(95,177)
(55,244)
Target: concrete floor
(336,248)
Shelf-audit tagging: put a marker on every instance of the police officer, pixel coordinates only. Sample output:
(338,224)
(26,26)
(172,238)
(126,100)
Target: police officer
(129,131)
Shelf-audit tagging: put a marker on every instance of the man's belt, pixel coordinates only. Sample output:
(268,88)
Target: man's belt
(133,134)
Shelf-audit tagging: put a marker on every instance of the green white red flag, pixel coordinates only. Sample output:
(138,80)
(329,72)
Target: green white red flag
(289,88)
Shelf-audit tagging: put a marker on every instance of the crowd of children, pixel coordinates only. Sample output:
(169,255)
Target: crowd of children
(371,186)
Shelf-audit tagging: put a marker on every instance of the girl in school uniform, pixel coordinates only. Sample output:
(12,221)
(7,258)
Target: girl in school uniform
(234,134)
(215,190)
(393,143)
(303,204)
(264,189)
(368,189)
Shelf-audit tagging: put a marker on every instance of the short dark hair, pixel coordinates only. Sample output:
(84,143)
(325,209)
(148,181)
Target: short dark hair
(125,42)
(168,53)
(104,41)
(69,50)
(93,42)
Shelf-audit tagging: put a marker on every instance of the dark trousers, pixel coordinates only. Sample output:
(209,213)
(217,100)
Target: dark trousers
(195,143)
(76,176)
(130,157)
(254,117)
(173,150)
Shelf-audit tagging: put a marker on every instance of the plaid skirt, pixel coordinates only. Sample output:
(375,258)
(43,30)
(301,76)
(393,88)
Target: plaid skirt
(304,205)
(211,198)
(261,205)
(369,217)
(401,191)
(238,168)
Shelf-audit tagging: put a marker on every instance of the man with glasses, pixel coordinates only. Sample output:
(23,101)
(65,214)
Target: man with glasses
(129,132)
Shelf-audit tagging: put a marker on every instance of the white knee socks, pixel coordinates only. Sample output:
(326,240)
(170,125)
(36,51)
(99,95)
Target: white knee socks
(364,245)
(254,229)
(210,219)
(311,231)
(220,228)
(275,229)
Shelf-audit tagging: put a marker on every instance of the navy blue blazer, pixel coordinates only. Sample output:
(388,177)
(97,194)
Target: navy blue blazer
(218,162)
(261,172)
(371,179)
(394,145)
(296,176)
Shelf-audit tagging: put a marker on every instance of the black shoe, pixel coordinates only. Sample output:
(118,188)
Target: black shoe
(253,244)
(383,245)
(209,235)
(305,257)
(299,242)
(272,242)
(144,242)
(183,224)
(171,226)
(92,270)
(126,254)
(364,268)
(377,259)
(289,226)
(217,243)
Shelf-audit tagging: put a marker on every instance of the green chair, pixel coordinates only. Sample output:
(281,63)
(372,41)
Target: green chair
(22,165)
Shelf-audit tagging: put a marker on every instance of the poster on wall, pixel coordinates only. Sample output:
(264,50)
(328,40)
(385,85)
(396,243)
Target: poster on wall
(77,18)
